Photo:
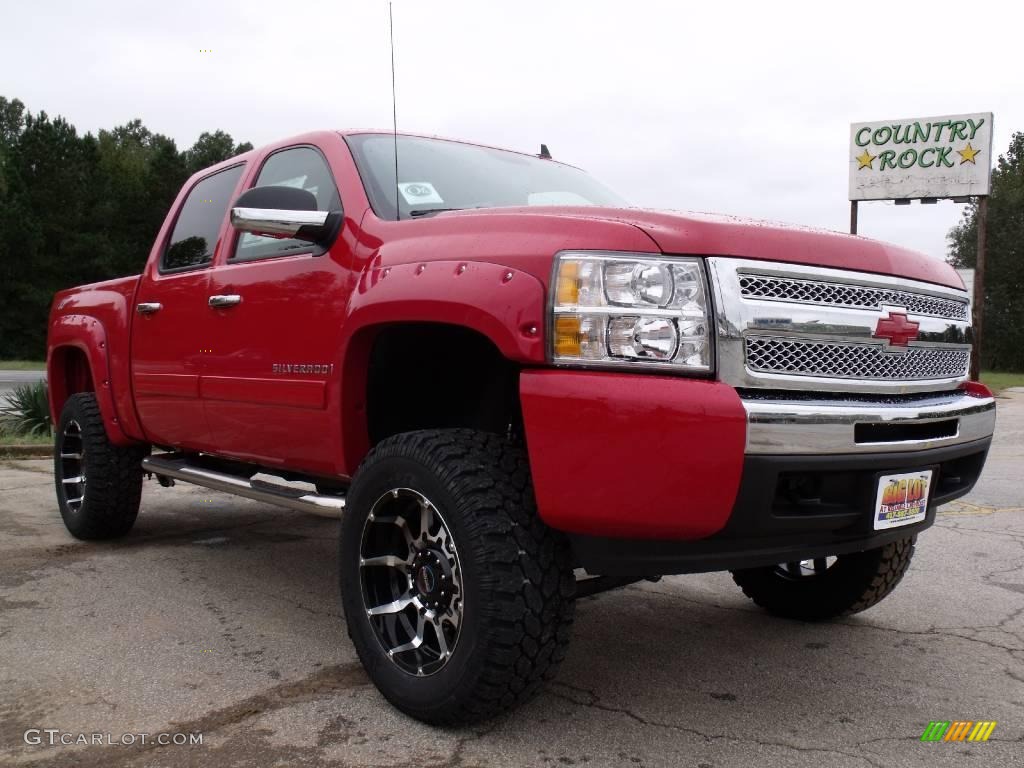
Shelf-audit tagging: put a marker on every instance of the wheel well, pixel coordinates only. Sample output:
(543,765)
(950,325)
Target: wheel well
(431,375)
(70,375)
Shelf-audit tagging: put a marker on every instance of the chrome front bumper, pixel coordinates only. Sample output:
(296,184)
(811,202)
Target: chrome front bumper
(838,426)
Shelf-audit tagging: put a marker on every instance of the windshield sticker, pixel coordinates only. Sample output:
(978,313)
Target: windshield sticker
(419,193)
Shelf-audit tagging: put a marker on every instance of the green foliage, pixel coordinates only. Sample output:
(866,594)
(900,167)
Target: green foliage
(1002,347)
(27,410)
(998,381)
(80,209)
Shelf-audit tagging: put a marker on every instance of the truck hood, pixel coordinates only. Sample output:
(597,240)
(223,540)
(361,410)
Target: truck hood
(717,235)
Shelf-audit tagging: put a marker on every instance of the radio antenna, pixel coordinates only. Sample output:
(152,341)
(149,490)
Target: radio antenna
(394,112)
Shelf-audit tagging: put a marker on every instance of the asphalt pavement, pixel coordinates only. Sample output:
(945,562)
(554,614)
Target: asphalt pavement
(220,616)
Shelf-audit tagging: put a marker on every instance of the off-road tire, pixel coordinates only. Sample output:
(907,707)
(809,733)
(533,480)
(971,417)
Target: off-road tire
(853,583)
(517,574)
(113,487)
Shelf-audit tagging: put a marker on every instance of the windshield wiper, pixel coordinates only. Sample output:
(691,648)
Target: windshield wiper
(428,211)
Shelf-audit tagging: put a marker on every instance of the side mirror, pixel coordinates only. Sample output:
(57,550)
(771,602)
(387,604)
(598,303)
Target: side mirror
(284,212)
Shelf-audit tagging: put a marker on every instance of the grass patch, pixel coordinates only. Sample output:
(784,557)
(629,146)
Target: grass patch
(22,365)
(1000,380)
(8,439)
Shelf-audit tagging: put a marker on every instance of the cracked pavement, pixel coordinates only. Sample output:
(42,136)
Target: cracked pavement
(220,615)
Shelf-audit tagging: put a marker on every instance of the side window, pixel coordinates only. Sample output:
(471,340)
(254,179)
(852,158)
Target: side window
(195,232)
(302,167)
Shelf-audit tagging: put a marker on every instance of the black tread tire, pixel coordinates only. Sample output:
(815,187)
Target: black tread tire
(113,488)
(517,574)
(854,583)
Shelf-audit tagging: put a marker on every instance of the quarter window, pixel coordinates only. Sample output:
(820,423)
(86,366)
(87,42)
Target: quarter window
(195,232)
(300,167)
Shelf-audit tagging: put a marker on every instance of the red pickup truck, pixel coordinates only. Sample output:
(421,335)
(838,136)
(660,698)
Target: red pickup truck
(513,390)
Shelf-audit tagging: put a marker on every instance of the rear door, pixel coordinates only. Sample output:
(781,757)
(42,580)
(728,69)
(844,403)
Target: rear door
(170,330)
(276,335)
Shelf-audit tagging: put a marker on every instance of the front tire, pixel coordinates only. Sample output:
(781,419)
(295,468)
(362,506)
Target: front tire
(815,590)
(458,599)
(99,484)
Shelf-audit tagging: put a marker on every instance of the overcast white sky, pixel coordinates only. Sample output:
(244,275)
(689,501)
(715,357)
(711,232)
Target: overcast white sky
(733,107)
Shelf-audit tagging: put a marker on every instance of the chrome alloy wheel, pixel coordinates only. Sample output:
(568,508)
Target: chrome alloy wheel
(72,465)
(411,581)
(805,569)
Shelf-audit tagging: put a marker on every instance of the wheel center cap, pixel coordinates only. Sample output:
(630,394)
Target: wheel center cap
(426,581)
(432,577)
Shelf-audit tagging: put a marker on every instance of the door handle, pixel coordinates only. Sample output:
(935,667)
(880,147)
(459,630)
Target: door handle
(148,307)
(225,300)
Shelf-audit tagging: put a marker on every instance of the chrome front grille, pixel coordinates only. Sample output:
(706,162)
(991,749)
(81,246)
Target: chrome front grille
(853,361)
(792,327)
(844,295)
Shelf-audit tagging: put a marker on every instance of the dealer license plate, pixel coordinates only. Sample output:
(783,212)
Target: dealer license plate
(902,499)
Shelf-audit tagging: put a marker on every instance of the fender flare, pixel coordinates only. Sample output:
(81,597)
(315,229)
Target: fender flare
(87,335)
(503,304)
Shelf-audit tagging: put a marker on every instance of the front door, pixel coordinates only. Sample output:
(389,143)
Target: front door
(172,319)
(275,336)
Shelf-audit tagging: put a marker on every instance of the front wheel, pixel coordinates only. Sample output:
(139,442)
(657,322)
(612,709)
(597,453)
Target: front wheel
(813,590)
(458,599)
(99,484)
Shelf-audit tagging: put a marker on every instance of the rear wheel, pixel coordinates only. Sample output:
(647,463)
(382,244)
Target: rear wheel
(813,590)
(458,599)
(99,485)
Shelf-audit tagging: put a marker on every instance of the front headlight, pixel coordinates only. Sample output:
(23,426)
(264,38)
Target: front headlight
(646,311)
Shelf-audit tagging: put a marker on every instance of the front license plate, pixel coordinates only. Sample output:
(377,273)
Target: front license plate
(902,499)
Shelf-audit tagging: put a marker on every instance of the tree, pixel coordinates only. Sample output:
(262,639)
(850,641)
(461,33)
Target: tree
(211,148)
(1002,346)
(79,209)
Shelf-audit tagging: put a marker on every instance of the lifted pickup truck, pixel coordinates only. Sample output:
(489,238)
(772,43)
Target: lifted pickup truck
(519,391)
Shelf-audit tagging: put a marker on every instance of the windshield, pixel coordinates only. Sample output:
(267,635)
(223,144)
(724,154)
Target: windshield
(434,174)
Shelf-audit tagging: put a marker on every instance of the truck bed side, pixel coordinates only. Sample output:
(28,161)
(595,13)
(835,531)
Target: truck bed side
(88,351)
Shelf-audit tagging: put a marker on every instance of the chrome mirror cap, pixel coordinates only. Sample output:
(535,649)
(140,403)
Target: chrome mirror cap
(275,222)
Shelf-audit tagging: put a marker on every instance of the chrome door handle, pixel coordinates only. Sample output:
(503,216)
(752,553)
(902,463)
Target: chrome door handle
(148,307)
(225,300)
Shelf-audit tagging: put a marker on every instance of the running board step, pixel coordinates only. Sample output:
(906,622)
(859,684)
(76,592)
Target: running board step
(177,467)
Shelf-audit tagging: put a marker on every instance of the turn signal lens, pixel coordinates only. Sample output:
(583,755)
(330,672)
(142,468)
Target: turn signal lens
(567,336)
(568,289)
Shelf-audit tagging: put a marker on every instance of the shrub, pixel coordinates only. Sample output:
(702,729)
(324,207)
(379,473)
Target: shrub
(27,410)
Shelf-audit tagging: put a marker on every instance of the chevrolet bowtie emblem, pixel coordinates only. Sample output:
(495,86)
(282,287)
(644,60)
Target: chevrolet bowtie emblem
(896,329)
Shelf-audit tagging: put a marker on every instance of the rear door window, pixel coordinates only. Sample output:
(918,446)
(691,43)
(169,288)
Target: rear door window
(195,232)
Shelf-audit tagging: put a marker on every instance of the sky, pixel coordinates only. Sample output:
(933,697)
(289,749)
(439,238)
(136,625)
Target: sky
(731,107)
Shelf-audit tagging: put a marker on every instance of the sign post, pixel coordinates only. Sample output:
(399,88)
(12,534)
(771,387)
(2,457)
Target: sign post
(927,159)
(979,287)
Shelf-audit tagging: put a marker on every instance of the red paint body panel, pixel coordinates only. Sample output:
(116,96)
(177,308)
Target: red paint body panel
(710,235)
(284,393)
(503,304)
(631,455)
(95,320)
(167,385)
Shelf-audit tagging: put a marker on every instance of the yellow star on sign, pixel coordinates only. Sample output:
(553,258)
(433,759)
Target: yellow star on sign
(866,160)
(967,154)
